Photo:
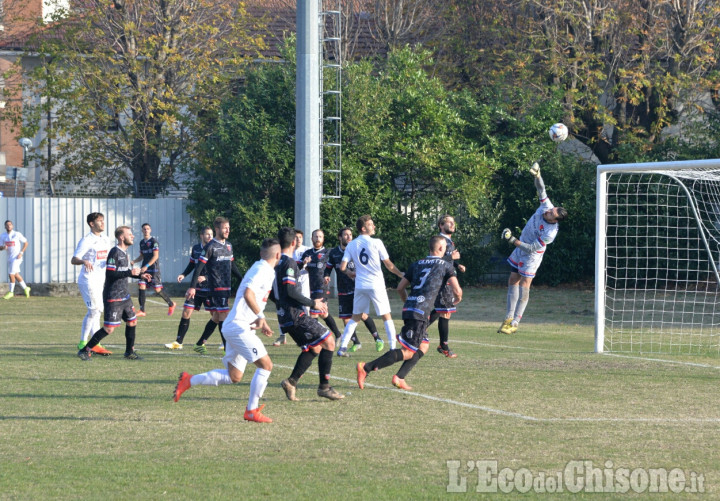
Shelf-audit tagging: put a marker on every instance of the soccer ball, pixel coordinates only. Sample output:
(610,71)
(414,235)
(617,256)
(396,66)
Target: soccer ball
(558,132)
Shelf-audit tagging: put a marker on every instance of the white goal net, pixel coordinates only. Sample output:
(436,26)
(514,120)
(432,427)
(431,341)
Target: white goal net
(657,258)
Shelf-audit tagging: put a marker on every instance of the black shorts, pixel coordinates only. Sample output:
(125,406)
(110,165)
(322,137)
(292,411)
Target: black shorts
(345,305)
(118,311)
(306,332)
(218,301)
(413,333)
(197,302)
(155,281)
(318,295)
(444,300)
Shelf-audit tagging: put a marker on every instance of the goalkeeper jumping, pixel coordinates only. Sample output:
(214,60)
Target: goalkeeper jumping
(539,232)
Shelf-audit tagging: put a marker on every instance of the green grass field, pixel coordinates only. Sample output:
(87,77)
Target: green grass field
(538,400)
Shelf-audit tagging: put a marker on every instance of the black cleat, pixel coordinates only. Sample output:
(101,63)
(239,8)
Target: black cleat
(84,355)
(133,356)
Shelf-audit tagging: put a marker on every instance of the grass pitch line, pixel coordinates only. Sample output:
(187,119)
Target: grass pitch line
(664,361)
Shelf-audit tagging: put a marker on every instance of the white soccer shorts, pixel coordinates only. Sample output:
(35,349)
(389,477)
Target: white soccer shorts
(241,346)
(378,298)
(14,266)
(92,295)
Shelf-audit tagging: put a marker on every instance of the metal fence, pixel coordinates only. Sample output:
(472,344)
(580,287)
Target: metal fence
(54,226)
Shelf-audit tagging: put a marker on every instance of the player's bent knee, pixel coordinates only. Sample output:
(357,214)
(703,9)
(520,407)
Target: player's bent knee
(264,363)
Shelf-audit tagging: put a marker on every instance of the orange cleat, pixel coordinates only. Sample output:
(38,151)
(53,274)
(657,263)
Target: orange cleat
(448,353)
(256,415)
(140,313)
(400,383)
(182,385)
(101,351)
(361,375)
(171,309)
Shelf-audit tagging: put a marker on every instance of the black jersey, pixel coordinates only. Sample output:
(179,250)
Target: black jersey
(147,249)
(218,260)
(316,269)
(117,270)
(449,250)
(426,277)
(195,253)
(345,284)
(288,292)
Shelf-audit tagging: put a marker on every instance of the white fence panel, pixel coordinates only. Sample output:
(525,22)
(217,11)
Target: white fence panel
(54,226)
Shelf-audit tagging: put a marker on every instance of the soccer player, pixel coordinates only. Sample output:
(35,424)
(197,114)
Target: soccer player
(201,293)
(425,277)
(303,279)
(346,289)
(91,255)
(313,339)
(539,232)
(11,240)
(444,304)
(149,255)
(218,265)
(116,296)
(367,253)
(241,342)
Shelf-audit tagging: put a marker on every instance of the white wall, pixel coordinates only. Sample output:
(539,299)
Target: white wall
(53,227)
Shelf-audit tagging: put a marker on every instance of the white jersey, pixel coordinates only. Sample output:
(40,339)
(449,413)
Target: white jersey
(93,248)
(536,230)
(14,242)
(368,254)
(259,279)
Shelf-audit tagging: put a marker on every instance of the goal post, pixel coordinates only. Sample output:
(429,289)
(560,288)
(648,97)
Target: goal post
(656,257)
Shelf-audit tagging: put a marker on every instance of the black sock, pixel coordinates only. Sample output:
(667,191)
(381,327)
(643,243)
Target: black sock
(182,329)
(221,334)
(444,330)
(95,340)
(209,329)
(129,339)
(330,322)
(164,295)
(141,299)
(355,339)
(409,364)
(370,324)
(434,315)
(385,360)
(325,366)
(304,361)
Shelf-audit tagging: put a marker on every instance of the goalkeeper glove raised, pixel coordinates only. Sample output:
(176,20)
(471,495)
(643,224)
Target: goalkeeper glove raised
(535,169)
(507,235)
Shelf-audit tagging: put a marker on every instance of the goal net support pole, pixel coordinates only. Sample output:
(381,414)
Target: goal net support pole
(706,175)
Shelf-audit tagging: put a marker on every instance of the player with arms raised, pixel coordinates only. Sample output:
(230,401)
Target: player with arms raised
(425,277)
(538,233)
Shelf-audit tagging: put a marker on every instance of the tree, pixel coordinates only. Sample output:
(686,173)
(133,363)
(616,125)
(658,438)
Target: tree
(125,82)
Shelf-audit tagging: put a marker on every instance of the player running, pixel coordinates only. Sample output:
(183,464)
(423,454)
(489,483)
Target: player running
(11,240)
(240,341)
(368,253)
(425,277)
(539,232)
(91,255)
(346,289)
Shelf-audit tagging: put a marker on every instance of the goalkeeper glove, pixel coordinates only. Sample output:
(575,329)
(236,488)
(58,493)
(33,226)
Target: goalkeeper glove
(535,169)
(507,235)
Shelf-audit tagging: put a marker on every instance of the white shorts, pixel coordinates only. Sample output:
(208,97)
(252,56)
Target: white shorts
(526,265)
(241,346)
(378,298)
(14,266)
(92,295)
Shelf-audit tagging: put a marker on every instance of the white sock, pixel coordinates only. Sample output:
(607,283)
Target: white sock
(257,387)
(12,286)
(521,304)
(90,325)
(347,333)
(215,377)
(512,299)
(23,285)
(390,329)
